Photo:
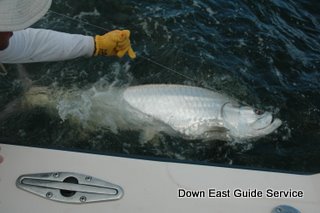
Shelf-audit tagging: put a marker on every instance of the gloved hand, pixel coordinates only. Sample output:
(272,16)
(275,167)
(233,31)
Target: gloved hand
(114,43)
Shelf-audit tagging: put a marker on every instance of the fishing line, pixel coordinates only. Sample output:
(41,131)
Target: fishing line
(167,68)
(78,20)
(141,56)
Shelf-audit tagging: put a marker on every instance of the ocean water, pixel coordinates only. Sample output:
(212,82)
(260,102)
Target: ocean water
(264,53)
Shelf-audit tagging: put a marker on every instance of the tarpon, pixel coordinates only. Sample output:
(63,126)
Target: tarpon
(197,113)
(177,110)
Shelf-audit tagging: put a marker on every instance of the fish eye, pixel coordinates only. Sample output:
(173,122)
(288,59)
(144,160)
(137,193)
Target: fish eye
(258,111)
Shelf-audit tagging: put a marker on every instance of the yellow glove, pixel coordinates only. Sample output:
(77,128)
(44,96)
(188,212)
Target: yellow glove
(114,43)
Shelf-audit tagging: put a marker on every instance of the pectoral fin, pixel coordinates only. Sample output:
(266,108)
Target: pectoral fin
(147,135)
(217,133)
(218,129)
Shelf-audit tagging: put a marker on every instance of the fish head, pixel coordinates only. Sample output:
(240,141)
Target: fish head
(245,122)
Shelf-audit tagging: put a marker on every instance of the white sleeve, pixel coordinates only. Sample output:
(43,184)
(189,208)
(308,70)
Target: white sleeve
(39,45)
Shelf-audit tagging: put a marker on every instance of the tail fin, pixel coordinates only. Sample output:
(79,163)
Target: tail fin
(3,70)
(9,109)
(15,105)
(23,77)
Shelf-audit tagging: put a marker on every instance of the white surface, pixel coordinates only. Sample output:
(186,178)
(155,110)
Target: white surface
(149,186)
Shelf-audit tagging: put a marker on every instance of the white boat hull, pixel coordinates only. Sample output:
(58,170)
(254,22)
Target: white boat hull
(150,186)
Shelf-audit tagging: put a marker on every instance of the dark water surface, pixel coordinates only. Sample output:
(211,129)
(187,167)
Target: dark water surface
(264,53)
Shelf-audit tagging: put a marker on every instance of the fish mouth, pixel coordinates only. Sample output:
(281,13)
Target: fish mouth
(264,121)
(266,124)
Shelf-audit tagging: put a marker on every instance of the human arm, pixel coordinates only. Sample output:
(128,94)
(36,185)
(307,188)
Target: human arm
(39,45)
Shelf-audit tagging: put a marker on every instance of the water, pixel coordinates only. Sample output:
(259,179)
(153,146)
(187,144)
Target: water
(265,53)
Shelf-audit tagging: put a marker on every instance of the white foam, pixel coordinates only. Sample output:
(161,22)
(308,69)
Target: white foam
(95,12)
(97,108)
(210,11)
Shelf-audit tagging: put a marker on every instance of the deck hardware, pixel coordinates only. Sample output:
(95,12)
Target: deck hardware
(83,199)
(285,209)
(88,178)
(69,187)
(49,195)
